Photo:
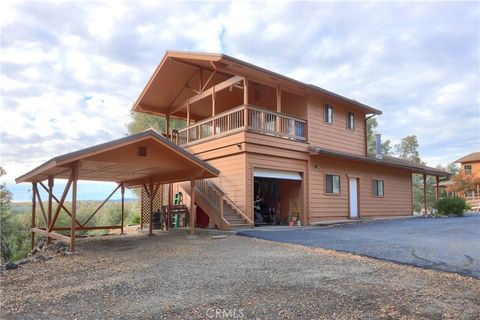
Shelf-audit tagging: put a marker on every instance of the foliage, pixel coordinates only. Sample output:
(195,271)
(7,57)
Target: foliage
(135,219)
(142,121)
(451,205)
(464,183)
(408,149)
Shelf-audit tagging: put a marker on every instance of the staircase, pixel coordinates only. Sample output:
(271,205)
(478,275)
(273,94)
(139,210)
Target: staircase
(218,206)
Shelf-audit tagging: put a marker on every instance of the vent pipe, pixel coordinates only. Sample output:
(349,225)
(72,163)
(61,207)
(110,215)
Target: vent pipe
(378,146)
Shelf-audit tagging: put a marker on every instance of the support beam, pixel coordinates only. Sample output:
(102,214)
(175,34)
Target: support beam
(62,201)
(279,108)
(75,171)
(437,188)
(193,209)
(52,235)
(101,205)
(58,202)
(123,206)
(87,228)
(40,202)
(213,103)
(170,195)
(221,86)
(167,126)
(34,223)
(245,101)
(425,192)
(150,225)
(50,201)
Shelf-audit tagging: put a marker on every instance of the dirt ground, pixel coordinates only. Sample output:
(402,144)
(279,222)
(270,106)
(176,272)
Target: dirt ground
(168,276)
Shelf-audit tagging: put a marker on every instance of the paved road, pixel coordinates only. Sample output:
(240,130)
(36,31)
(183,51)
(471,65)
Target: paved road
(449,244)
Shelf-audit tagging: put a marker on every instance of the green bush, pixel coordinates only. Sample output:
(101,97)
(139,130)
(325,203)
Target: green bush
(136,218)
(451,205)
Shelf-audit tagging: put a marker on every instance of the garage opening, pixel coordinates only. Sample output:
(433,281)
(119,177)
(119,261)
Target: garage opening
(277,197)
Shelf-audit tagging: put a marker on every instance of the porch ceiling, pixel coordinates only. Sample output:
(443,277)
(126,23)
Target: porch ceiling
(120,161)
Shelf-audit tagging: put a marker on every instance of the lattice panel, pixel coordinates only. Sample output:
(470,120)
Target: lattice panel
(157,204)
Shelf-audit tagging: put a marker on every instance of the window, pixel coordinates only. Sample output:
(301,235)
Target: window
(350,121)
(333,183)
(328,114)
(467,169)
(378,188)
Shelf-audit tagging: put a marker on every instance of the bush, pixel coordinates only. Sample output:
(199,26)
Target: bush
(451,205)
(136,218)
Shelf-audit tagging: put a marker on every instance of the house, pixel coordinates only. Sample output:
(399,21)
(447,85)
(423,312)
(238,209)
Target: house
(297,148)
(470,173)
(257,147)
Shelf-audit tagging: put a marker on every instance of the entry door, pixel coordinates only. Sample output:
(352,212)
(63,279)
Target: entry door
(353,189)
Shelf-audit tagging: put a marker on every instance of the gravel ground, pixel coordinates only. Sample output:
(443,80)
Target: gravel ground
(170,277)
(448,244)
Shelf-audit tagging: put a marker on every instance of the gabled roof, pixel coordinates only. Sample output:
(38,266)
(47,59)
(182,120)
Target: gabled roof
(472,157)
(385,161)
(122,161)
(168,84)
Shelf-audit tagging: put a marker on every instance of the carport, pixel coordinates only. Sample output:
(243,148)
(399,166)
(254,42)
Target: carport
(143,160)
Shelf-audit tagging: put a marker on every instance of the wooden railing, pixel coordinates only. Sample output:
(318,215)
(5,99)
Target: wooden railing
(257,120)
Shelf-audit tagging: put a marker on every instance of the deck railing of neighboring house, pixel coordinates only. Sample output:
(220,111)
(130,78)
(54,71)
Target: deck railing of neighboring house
(258,120)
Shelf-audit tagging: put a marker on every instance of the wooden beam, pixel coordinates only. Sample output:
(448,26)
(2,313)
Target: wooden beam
(63,206)
(75,171)
(42,209)
(213,105)
(52,235)
(50,201)
(150,225)
(437,187)
(170,195)
(101,205)
(193,210)
(208,80)
(34,198)
(425,192)
(279,110)
(123,206)
(60,205)
(221,86)
(245,101)
(87,228)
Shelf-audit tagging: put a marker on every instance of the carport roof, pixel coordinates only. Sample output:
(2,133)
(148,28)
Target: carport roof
(134,160)
(384,161)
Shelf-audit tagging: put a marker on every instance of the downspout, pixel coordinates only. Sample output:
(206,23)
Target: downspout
(366,138)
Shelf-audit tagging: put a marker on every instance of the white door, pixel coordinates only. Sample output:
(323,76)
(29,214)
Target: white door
(353,184)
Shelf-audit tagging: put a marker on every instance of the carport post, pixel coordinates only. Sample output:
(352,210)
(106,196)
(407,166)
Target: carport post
(123,205)
(34,205)
(150,224)
(425,192)
(437,188)
(170,195)
(50,202)
(75,170)
(193,210)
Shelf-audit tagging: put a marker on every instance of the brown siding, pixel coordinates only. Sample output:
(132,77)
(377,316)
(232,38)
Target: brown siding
(335,136)
(396,202)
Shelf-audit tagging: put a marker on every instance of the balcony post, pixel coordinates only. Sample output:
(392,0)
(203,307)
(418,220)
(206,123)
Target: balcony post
(279,110)
(188,121)
(167,126)
(245,102)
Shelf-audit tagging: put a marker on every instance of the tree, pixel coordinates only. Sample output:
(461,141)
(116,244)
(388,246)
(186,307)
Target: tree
(5,219)
(142,121)
(407,149)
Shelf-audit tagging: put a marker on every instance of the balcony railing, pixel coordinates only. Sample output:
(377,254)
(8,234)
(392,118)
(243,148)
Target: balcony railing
(257,120)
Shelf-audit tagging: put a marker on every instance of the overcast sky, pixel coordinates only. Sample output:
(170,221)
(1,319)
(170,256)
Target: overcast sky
(70,71)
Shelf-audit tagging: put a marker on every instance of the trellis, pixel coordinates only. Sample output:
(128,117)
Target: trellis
(158,202)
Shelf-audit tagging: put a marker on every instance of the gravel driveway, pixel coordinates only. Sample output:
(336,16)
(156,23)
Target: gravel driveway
(170,277)
(449,244)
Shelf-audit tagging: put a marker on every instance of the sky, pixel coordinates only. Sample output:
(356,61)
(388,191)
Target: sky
(70,71)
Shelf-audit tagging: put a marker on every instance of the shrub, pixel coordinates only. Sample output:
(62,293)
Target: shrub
(451,205)
(136,218)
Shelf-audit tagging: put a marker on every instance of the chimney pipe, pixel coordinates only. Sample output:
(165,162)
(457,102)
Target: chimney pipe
(378,146)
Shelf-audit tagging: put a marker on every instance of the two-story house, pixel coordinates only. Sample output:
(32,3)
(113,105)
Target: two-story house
(279,144)
(258,147)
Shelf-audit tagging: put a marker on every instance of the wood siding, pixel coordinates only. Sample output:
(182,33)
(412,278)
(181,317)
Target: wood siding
(397,200)
(335,136)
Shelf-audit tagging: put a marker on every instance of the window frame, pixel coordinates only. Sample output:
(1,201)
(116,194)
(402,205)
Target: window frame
(469,169)
(325,114)
(375,190)
(339,184)
(352,115)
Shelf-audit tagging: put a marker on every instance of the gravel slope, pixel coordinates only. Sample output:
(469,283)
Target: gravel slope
(170,277)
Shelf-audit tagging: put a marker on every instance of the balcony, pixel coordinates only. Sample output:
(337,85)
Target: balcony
(243,118)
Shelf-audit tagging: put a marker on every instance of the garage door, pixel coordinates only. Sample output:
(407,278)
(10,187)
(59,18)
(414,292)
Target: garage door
(277,174)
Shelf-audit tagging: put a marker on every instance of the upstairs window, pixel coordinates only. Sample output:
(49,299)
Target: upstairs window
(328,114)
(350,121)
(378,188)
(467,169)
(332,183)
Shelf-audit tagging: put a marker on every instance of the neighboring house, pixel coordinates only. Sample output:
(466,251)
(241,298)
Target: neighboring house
(292,147)
(470,173)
